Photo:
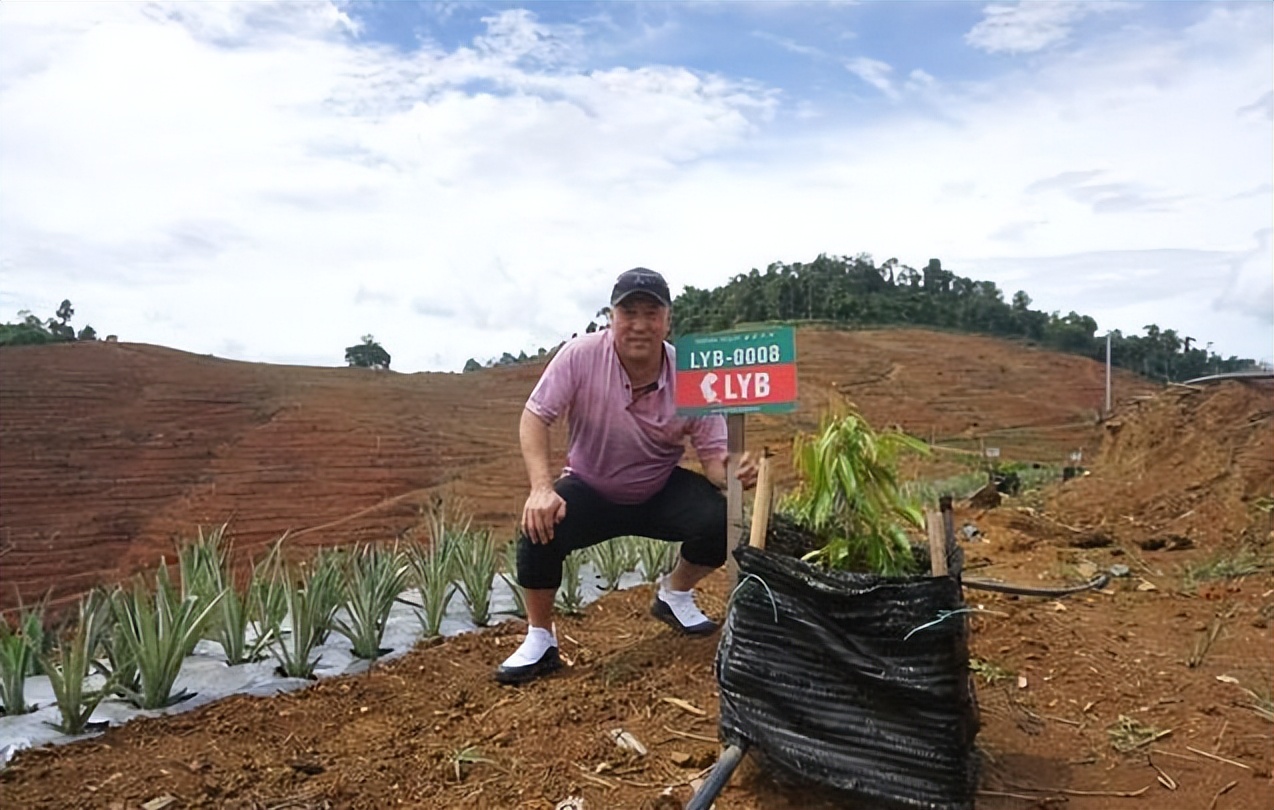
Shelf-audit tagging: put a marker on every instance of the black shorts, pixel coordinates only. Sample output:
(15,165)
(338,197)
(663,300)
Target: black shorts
(689,510)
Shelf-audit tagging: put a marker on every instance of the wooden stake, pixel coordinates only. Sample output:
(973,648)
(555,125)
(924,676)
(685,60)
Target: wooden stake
(762,503)
(937,543)
(948,520)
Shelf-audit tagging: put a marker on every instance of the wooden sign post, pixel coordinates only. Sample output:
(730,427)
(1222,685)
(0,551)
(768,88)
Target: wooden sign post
(736,373)
(735,425)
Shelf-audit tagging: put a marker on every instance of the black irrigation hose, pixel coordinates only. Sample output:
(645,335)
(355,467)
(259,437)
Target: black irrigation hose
(716,781)
(1098,581)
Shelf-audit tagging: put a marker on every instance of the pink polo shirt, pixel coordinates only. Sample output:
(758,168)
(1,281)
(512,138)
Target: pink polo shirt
(622,448)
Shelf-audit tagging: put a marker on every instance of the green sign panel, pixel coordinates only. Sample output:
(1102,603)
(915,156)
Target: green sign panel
(737,372)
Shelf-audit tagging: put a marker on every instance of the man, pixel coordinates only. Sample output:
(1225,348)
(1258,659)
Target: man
(622,475)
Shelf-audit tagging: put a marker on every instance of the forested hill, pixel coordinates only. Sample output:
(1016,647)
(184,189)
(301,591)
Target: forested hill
(857,293)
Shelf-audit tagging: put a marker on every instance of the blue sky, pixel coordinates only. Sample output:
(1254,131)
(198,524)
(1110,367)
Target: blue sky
(269,181)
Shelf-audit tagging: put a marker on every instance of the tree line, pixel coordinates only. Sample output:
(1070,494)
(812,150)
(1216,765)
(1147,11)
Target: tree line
(847,292)
(30,330)
(856,293)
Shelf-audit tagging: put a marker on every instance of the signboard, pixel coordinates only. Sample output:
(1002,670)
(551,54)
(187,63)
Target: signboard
(737,372)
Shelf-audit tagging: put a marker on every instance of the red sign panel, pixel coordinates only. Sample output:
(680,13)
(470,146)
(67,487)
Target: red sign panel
(737,372)
(724,389)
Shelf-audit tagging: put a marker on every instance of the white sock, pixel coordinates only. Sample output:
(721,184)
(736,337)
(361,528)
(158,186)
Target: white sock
(665,589)
(682,604)
(537,642)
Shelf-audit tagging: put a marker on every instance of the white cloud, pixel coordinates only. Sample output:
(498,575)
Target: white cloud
(1014,231)
(369,296)
(791,45)
(1263,107)
(920,81)
(230,23)
(515,34)
(1107,195)
(1127,290)
(1031,26)
(273,192)
(874,72)
(1265,190)
(305,171)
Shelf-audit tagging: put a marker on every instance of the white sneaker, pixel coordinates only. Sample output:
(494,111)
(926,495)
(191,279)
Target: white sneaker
(535,657)
(678,610)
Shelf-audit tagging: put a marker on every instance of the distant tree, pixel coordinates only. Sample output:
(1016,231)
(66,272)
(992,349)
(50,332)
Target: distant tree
(33,331)
(60,324)
(29,331)
(368,354)
(909,276)
(472,365)
(887,271)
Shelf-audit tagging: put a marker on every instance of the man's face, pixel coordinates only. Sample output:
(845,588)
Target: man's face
(640,324)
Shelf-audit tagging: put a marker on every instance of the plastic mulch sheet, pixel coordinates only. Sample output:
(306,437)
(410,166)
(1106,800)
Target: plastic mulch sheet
(825,675)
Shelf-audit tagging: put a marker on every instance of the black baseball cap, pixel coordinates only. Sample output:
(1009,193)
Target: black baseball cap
(643,281)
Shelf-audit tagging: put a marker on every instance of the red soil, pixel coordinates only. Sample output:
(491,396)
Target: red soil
(110,450)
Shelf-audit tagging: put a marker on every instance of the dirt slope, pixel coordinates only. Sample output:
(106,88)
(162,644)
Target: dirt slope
(110,450)
(1190,663)
(433,730)
(1188,464)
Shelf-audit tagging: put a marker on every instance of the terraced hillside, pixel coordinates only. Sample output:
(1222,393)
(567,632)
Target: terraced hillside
(110,450)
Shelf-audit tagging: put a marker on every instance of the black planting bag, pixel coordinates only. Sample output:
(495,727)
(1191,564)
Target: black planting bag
(818,677)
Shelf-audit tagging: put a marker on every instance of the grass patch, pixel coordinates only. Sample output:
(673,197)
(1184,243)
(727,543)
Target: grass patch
(477,563)
(432,548)
(959,486)
(158,630)
(469,755)
(991,672)
(311,595)
(1231,563)
(656,557)
(1030,478)
(431,576)
(570,596)
(18,648)
(71,662)
(509,573)
(1261,700)
(1036,476)
(202,563)
(1127,734)
(613,558)
(372,580)
(617,672)
(207,569)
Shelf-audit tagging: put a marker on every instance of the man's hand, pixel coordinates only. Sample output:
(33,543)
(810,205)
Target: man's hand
(715,471)
(747,471)
(544,509)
